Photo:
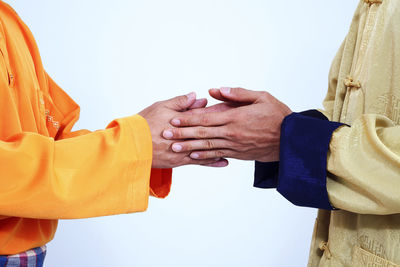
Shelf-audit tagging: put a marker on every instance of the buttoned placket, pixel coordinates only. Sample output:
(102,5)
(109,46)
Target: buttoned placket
(323,246)
(352,82)
(51,119)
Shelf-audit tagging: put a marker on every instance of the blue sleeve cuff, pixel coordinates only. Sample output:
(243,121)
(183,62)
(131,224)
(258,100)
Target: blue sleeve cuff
(313,113)
(266,173)
(303,160)
(300,176)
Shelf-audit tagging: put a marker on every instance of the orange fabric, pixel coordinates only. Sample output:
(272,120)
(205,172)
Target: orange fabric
(48,172)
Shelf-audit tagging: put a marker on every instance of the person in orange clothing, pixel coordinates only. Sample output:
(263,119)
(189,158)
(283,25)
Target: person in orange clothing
(49,172)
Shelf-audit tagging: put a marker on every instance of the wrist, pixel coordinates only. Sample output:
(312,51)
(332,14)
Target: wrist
(271,155)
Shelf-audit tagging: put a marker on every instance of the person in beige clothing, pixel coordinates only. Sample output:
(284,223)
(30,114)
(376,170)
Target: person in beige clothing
(344,160)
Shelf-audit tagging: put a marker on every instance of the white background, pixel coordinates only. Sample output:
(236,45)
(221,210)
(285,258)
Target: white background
(117,57)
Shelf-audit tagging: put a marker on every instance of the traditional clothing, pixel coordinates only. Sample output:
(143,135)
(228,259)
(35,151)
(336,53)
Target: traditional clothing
(48,172)
(349,165)
(31,258)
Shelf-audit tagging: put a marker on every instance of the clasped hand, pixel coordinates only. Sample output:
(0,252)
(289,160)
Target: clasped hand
(158,117)
(246,125)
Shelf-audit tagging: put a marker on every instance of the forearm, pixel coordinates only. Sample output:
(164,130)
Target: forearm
(101,173)
(357,171)
(364,167)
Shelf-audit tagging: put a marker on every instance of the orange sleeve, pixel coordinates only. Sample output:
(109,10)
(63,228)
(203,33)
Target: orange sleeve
(160,182)
(160,179)
(79,174)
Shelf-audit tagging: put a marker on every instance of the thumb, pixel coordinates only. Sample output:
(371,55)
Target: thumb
(219,164)
(239,94)
(181,103)
(216,94)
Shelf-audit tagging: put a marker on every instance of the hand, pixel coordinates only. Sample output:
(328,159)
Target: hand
(247,128)
(158,117)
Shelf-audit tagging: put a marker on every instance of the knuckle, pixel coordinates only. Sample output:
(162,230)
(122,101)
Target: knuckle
(220,154)
(181,100)
(209,144)
(231,134)
(228,134)
(187,146)
(182,121)
(204,120)
(265,95)
(201,132)
(188,121)
(177,133)
(177,103)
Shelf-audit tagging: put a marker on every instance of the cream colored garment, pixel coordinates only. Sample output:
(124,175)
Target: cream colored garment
(364,159)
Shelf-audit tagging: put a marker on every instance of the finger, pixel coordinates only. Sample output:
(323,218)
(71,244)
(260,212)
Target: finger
(199,103)
(216,94)
(203,119)
(194,133)
(240,94)
(212,154)
(215,108)
(203,144)
(189,161)
(181,103)
(219,164)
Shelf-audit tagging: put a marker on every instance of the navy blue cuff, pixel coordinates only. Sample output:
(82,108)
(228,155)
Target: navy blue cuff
(304,147)
(266,173)
(313,113)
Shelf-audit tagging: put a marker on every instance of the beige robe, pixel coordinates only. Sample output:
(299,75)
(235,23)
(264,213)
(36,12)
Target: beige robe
(363,178)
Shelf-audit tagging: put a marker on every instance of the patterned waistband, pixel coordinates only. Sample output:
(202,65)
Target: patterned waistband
(31,258)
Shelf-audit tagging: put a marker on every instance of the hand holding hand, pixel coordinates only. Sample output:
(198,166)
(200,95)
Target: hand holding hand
(247,126)
(158,117)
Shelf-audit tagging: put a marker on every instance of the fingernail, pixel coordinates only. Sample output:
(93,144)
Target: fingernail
(168,134)
(225,90)
(176,147)
(194,156)
(176,122)
(191,96)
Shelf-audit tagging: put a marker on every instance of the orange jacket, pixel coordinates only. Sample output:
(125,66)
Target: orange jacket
(48,172)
